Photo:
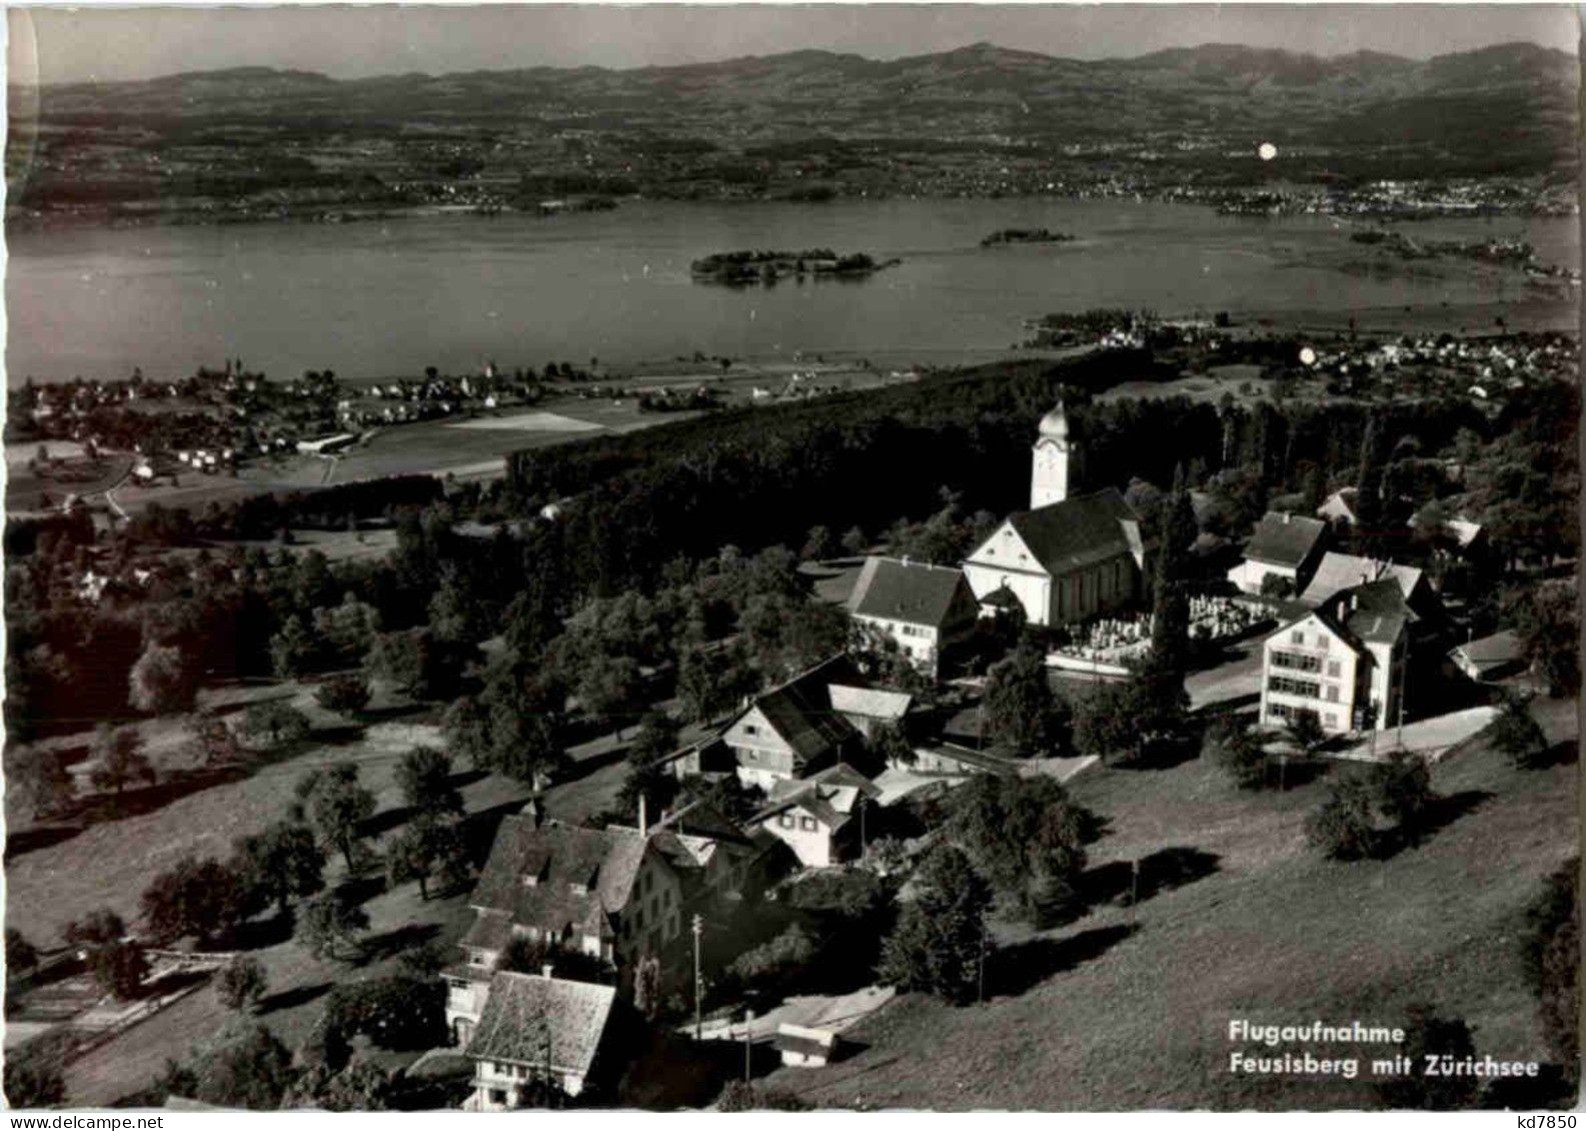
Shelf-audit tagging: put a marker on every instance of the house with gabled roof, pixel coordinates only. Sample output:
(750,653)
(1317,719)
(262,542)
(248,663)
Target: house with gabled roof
(1343,663)
(610,893)
(924,608)
(1336,573)
(819,818)
(539,1031)
(1282,545)
(793,730)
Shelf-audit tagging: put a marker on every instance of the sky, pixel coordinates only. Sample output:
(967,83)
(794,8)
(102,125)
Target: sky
(111,43)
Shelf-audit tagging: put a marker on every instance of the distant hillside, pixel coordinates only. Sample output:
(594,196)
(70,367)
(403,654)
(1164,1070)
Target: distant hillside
(1508,109)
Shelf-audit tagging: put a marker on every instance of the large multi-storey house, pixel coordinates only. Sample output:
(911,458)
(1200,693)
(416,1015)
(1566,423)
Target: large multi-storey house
(611,893)
(1343,663)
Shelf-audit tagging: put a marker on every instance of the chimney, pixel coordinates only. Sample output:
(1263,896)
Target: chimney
(905,561)
(644,817)
(545,971)
(1285,518)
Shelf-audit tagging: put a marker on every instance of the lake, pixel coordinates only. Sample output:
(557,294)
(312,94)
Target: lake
(378,299)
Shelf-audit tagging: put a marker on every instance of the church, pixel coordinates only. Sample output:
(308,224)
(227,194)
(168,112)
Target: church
(1071,555)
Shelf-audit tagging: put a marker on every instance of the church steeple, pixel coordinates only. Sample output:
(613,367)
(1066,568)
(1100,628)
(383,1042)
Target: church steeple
(1055,470)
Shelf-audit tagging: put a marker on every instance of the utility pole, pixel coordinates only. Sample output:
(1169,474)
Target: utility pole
(1404,664)
(1134,884)
(980,978)
(748,1026)
(699,1025)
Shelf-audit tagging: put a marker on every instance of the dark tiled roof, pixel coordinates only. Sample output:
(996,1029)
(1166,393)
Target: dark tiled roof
(844,774)
(525,1015)
(1338,572)
(581,875)
(913,592)
(492,930)
(1079,531)
(1499,648)
(801,711)
(1285,539)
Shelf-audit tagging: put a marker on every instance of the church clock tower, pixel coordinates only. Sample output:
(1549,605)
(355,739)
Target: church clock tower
(1057,461)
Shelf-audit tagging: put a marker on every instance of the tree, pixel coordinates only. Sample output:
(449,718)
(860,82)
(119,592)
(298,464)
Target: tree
(215,741)
(1341,827)
(414,662)
(820,545)
(1304,732)
(1547,619)
(294,651)
(1170,596)
(1368,496)
(1427,1034)
(936,945)
(347,630)
(1025,835)
(657,737)
(273,725)
(609,688)
(711,681)
(889,742)
(21,955)
(1021,708)
(336,806)
(42,776)
(1403,787)
(346,694)
(278,864)
(197,898)
(739,1095)
(121,762)
(119,968)
(246,1067)
(854,541)
(1516,735)
(163,681)
(330,925)
(424,776)
(33,1075)
(1551,950)
(425,847)
(523,955)
(242,983)
(1239,751)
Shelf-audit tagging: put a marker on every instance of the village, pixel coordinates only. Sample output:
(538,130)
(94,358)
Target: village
(751,878)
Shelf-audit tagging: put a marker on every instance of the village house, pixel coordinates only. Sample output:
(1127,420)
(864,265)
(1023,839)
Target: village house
(1068,557)
(1490,658)
(1339,507)
(1337,572)
(539,1031)
(947,759)
(610,893)
(1284,546)
(816,719)
(1343,663)
(820,819)
(924,608)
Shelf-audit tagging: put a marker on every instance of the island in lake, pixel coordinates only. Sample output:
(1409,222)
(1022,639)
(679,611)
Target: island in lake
(1024,235)
(747,267)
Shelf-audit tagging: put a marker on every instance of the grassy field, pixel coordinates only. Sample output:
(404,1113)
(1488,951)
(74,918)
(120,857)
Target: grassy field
(1130,1010)
(108,862)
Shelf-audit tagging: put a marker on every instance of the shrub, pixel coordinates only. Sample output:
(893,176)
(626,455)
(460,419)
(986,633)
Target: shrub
(782,957)
(1238,752)
(1341,826)
(241,983)
(346,694)
(742,1096)
(1516,735)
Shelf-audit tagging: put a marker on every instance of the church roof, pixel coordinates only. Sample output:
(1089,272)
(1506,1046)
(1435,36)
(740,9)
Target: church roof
(1055,423)
(911,592)
(1079,531)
